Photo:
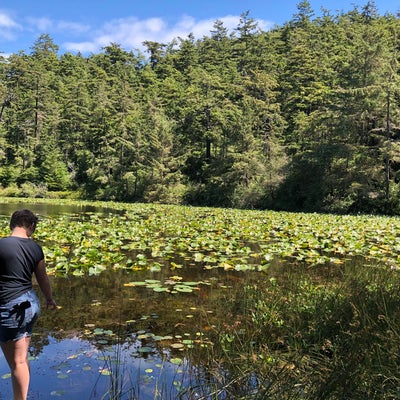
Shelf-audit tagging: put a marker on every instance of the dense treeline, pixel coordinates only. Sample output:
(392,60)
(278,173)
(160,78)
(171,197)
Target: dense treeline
(305,116)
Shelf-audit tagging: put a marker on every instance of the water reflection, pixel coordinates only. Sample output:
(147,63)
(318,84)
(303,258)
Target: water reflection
(73,368)
(106,329)
(145,337)
(104,324)
(50,209)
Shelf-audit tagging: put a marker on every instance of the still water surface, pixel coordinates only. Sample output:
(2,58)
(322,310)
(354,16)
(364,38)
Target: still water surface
(105,329)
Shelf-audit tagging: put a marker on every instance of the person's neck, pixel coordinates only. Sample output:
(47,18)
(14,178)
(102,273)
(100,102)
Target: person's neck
(20,231)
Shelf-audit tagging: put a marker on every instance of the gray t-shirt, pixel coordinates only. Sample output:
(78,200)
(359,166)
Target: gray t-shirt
(18,259)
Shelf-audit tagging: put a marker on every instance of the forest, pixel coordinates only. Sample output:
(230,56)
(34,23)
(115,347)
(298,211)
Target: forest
(302,117)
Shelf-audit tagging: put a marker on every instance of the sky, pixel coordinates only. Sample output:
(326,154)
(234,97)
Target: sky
(87,26)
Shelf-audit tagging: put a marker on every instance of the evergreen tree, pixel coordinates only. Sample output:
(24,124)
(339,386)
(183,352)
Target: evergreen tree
(304,116)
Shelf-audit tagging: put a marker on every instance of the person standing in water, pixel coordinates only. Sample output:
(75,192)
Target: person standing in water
(20,258)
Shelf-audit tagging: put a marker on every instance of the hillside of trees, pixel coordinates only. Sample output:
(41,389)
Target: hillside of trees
(303,117)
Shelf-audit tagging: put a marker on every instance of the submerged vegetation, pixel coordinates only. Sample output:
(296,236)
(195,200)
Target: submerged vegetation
(236,304)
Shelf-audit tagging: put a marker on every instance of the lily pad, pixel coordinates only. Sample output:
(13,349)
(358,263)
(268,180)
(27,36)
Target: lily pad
(105,371)
(177,345)
(145,349)
(160,289)
(183,289)
(176,360)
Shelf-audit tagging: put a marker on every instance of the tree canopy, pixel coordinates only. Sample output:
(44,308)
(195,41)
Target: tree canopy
(302,117)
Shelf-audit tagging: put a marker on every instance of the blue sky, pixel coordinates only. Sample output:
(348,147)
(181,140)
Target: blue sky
(88,25)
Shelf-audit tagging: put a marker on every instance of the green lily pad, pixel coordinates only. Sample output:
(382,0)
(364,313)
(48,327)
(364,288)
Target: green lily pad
(141,283)
(160,289)
(183,289)
(145,349)
(106,372)
(177,345)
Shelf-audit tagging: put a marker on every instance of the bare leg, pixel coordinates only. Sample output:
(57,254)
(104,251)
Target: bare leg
(16,354)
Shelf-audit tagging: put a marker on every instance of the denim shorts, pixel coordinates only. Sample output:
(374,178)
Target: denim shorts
(18,316)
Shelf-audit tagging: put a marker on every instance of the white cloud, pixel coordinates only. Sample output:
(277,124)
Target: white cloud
(265,25)
(7,22)
(82,47)
(46,25)
(128,32)
(72,27)
(43,25)
(8,28)
(131,32)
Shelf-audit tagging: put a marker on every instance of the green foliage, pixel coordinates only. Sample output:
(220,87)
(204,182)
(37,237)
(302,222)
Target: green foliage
(300,117)
(228,239)
(334,337)
(32,190)
(10,191)
(327,314)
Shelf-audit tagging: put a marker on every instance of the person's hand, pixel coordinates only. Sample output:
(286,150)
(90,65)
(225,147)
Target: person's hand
(51,304)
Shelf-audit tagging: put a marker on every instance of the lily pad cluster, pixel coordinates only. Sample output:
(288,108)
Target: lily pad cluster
(141,237)
(171,285)
(147,341)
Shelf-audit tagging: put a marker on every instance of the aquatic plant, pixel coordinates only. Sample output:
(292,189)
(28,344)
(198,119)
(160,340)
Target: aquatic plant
(142,237)
(323,324)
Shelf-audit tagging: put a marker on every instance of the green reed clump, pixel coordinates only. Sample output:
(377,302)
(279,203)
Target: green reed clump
(309,336)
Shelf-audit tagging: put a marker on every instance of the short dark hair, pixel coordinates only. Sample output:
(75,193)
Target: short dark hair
(23,218)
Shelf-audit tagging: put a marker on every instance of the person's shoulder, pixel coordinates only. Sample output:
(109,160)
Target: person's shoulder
(12,239)
(33,243)
(25,241)
(7,241)
(36,245)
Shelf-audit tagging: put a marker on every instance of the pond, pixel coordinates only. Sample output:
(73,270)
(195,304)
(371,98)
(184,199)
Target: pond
(163,302)
(126,332)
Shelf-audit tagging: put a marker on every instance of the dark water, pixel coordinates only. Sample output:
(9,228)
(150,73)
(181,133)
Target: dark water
(106,330)
(47,209)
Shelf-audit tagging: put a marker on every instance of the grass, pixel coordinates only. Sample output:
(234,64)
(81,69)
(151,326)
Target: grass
(303,334)
(306,338)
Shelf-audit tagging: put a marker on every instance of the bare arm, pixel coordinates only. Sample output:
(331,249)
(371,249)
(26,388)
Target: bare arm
(44,284)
